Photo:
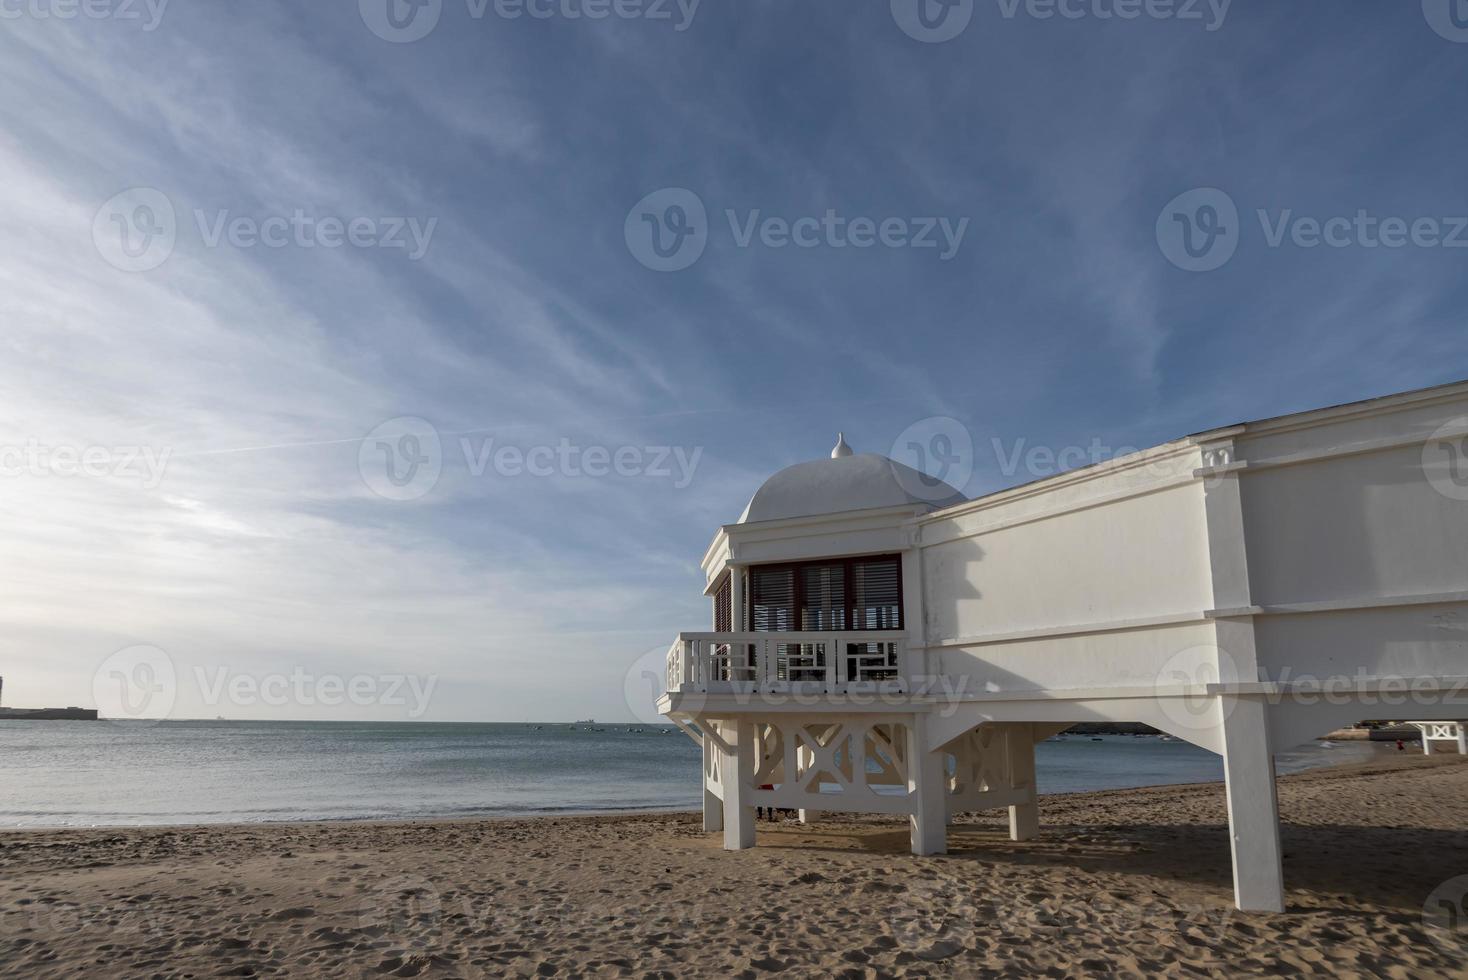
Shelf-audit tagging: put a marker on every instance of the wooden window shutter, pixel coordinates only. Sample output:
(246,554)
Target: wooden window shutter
(772,598)
(823,597)
(876,593)
(723,609)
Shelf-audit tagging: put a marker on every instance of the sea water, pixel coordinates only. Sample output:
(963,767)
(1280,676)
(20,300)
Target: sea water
(184,772)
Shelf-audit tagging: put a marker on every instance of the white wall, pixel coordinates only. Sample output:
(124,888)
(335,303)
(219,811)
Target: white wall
(1357,563)
(1121,546)
(1343,534)
(1351,527)
(1143,556)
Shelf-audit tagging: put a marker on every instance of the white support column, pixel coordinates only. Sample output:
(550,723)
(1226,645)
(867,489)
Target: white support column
(1228,564)
(805,758)
(1024,818)
(925,775)
(1253,807)
(915,663)
(1462,739)
(737,778)
(1426,739)
(713,807)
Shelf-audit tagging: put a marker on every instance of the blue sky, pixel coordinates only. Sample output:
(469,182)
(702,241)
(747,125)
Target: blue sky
(525,144)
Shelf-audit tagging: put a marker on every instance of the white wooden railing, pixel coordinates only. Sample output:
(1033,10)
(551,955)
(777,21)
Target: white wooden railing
(807,662)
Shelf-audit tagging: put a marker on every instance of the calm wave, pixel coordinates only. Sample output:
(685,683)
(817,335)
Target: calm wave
(184,772)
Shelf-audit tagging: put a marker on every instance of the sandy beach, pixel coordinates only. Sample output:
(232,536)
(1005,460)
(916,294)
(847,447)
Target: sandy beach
(1129,883)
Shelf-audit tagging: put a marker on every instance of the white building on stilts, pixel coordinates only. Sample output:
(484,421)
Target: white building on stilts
(880,644)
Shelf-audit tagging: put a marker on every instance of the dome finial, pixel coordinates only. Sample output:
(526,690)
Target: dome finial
(842,449)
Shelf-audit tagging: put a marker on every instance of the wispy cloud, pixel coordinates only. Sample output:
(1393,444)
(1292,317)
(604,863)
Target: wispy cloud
(527,320)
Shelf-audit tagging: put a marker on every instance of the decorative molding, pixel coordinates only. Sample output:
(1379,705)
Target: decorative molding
(1340,605)
(1216,457)
(1207,615)
(1085,474)
(1360,448)
(1062,510)
(1385,405)
(1077,629)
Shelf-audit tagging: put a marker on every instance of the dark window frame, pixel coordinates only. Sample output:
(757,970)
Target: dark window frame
(848,578)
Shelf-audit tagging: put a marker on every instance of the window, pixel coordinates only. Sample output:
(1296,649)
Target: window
(849,594)
(772,598)
(876,588)
(723,610)
(823,597)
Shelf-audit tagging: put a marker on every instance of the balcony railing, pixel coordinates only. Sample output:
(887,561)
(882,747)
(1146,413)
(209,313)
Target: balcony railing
(797,663)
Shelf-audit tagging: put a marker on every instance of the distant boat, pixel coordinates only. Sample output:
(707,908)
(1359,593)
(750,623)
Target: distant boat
(588,721)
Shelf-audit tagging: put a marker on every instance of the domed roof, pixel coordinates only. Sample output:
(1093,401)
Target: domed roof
(859,481)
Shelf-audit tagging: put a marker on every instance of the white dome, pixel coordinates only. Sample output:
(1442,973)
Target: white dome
(862,481)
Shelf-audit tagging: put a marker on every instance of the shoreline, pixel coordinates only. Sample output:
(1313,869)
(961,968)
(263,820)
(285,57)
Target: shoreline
(1335,769)
(1322,763)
